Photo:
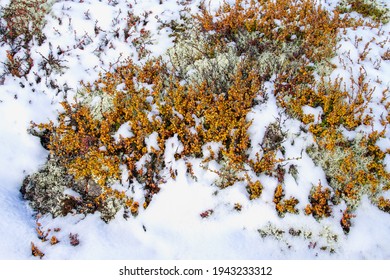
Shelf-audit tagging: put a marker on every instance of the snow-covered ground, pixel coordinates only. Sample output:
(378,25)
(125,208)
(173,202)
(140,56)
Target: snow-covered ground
(172,226)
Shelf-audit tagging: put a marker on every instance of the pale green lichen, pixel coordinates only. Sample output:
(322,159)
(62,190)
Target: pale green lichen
(45,189)
(98,101)
(228,174)
(324,68)
(197,60)
(110,207)
(277,59)
(325,239)
(329,235)
(273,231)
(53,191)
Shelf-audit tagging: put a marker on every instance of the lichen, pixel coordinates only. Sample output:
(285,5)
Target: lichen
(45,189)
(228,174)
(99,102)
(198,61)
(53,191)
(109,208)
(323,240)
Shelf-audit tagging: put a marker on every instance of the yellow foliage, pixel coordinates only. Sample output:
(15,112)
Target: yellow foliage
(283,206)
(254,188)
(319,203)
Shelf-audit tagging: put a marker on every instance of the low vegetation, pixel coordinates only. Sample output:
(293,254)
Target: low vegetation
(202,92)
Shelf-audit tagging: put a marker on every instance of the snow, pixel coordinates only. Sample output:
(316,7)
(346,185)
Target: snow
(172,227)
(151,142)
(124,131)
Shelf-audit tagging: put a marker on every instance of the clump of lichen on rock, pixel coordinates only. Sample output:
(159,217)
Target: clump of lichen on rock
(52,190)
(45,189)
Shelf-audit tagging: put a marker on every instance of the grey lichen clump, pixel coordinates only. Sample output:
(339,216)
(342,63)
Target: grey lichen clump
(45,189)
(53,191)
(228,175)
(110,207)
(197,60)
(98,102)
(273,137)
(325,240)
(198,57)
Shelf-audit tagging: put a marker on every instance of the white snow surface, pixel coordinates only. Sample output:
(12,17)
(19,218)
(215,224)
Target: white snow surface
(172,227)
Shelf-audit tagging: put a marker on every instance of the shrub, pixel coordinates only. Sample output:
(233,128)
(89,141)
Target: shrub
(254,189)
(345,221)
(319,202)
(283,206)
